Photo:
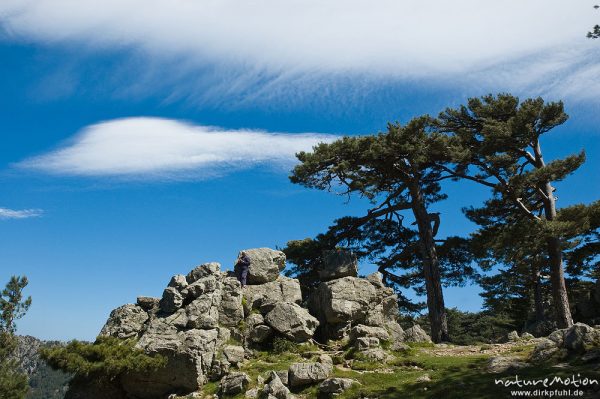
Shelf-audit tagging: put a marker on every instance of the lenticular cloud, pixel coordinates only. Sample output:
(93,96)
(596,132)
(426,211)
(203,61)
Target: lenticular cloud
(154,148)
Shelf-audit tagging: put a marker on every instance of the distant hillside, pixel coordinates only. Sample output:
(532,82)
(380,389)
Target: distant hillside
(45,383)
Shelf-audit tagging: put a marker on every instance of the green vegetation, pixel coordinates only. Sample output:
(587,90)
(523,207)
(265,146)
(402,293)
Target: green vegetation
(454,377)
(13,383)
(107,357)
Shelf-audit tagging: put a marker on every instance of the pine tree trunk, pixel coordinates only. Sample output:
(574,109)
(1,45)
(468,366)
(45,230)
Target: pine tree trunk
(557,275)
(431,268)
(538,299)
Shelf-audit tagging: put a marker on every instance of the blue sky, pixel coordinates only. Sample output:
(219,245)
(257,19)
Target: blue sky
(140,139)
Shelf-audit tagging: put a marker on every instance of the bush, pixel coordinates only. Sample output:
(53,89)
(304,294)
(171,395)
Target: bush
(283,345)
(107,357)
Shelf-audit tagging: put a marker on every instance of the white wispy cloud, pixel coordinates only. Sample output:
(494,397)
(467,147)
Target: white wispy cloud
(6,213)
(151,148)
(537,44)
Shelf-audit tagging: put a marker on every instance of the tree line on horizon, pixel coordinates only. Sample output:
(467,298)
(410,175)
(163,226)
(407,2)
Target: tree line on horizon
(531,257)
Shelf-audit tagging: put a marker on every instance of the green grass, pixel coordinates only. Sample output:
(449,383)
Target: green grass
(452,377)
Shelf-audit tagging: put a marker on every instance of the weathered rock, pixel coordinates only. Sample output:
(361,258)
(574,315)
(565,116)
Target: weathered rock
(260,333)
(204,270)
(545,350)
(203,312)
(399,347)
(251,393)
(376,279)
(513,336)
(335,385)
(171,300)
(189,354)
(396,332)
(581,337)
(347,299)
(558,337)
(147,302)
(200,287)
(423,378)
(527,336)
(125,322)
(500,364)
(416,334)
(283,376)
(265,265)
(363,343)
(368,331)
(375,355)
(308,373)
(234,354)
(337,264)
(292,321)
(178,282)
(234,383)
(231,311)
(283,289)
(276,388)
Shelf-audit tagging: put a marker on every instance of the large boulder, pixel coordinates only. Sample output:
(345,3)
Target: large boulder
(580,338)
(125,322)
(203,312)
(234,383)
(276,388)
(231,311)
(335,385)
(189,357)
(344,300)
(308,373)
(501,364)
(416,334)
(547,349)
(265,265)
(171,300)
(292,321)
(338,263)
(204,270)
(361,331)
(264,296)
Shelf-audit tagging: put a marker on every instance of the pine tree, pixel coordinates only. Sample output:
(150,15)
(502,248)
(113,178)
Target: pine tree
(13,383)
(398,171)
(496,142)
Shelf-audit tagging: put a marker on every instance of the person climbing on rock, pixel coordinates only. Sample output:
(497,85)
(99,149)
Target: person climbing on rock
(242,265)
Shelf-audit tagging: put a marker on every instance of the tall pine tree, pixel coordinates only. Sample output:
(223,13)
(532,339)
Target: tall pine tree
(497,143)
(398,171)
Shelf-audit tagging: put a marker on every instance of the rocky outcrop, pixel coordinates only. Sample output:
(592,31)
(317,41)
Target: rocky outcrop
(579,339)
(125,321)
(200,313)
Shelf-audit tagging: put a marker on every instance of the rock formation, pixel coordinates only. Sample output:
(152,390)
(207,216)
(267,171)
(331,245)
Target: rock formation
(205,324)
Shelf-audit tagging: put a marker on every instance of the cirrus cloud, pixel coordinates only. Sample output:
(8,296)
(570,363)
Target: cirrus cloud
(151,148)
(538,45)
(6,213)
